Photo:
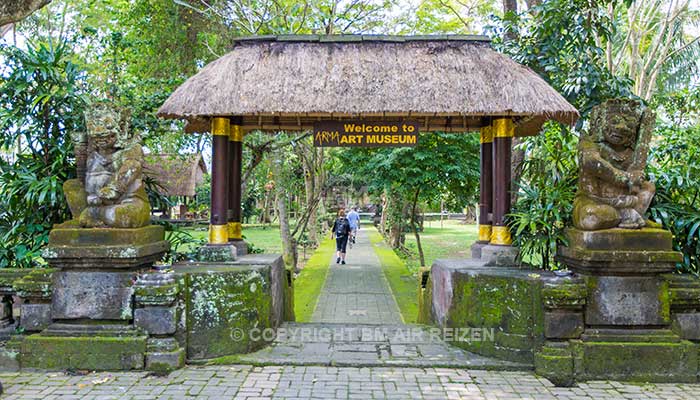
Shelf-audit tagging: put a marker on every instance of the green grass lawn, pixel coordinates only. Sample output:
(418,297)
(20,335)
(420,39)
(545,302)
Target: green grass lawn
(310,281)
(453,240)
(403,283)
(262,237)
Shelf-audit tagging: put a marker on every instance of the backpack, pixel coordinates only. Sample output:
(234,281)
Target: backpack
(341,227)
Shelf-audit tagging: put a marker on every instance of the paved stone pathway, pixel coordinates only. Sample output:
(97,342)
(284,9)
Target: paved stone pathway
(355,345)
(364,360)
(248,382)
(357,323)
(357,292)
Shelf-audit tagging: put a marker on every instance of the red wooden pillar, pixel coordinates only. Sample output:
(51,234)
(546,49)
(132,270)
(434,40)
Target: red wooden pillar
(235,231)
(486,185)
(218,224)
(503,132)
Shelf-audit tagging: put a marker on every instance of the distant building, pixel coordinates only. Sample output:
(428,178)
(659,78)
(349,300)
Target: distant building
(177,175)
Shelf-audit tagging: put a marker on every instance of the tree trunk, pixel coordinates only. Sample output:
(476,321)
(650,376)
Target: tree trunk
(319,182)
(415,229)
(518,156)
(385,208)
(16,10)
(396,220)
(510,6)
(312,162)
(289,248)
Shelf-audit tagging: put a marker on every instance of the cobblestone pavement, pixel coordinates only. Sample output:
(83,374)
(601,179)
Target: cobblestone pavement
(248,382)
(357,345)
(357,292)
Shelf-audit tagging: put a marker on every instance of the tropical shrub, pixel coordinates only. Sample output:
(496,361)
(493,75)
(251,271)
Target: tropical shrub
(674,164)
(546,194)
(42,98)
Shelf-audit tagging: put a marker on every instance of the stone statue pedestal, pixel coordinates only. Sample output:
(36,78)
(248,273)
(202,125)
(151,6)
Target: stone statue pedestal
(92,305)
(627,313)
(622,269)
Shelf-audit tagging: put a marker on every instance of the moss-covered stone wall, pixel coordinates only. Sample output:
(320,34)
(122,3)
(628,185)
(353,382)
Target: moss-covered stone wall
(505,304)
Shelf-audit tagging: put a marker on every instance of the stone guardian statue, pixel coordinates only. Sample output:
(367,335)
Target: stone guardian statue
(109,191)
(612,190)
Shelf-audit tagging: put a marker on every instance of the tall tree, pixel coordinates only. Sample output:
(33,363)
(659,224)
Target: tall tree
(16,10)
(653,44)
(440,163)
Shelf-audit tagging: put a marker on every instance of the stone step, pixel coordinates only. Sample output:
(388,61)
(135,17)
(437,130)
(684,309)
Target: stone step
(367,345)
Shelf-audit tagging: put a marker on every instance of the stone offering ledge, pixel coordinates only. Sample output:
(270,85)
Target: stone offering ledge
(162,320)
(105,248)
(620,315)
(75,236)
(102,307)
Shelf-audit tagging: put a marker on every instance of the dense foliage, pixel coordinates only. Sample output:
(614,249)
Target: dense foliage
(440,165)
(546,194)
(561,41)
(675,167)
(583,49)
(42,97)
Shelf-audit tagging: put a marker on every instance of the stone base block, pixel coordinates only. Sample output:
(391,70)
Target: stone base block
(476,249)
(627,301)
(555,362)
(164,355)
(504,304)
(241,247)
(687,325)
(218,253)
(163,363)
(619,252)
(647,239)
(500,256)
(563,324)
(7,329)
(105,248)
(98,295)
(9,360)
(95,353)
(35,317)
(636,361)
(156,320)
(228,305)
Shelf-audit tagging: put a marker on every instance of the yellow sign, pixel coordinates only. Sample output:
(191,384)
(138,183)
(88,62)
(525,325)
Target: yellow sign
(365,134)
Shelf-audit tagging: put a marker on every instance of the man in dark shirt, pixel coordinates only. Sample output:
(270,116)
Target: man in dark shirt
(341,231)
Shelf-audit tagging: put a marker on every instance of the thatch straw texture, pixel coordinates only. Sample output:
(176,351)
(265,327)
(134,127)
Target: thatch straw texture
(444,84)
(178,175)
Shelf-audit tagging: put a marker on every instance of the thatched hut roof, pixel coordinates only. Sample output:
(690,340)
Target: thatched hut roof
(177,174)
(452,83)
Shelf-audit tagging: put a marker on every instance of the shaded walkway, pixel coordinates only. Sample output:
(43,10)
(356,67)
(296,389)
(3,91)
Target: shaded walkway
(357,323)
(357,292)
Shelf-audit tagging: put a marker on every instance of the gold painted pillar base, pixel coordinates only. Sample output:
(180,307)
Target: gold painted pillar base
(500,235)
(235,231)
(218,234)
(484,233)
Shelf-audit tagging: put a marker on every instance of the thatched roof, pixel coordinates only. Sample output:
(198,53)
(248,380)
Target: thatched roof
(177,174)
(453,83)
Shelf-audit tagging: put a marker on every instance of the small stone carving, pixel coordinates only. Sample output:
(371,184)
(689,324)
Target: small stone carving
(612,190)
(109,191)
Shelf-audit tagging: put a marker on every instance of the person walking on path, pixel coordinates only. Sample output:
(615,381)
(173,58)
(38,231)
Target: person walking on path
(354,219)
(341,230)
